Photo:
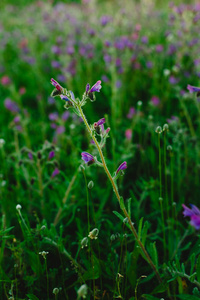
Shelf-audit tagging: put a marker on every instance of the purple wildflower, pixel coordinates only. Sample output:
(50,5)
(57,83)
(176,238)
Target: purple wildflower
(95,88)
(98,125)
(193,89)
(30,155)
(55,172)
(58,88)
(53,116)
(122,167)
(11,105)
(131,113)
(51,154)
(60,129)
(87,157)
(194,214)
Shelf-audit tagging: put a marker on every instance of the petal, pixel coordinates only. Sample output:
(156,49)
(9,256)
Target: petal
(195,221)
(193,89)
(187,211)
(96,87)
(195,209)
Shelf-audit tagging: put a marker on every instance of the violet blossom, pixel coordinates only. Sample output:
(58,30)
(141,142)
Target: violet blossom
(194,214)
(87,157)
(193,89)
(95,88)
(122,167)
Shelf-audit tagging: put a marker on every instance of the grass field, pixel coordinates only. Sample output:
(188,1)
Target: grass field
(99,150)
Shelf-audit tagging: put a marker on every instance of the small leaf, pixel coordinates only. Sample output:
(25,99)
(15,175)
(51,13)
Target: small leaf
(118,215)
(154,254)
(140,228)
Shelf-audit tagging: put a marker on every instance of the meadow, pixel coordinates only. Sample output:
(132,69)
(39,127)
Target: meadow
(100,150)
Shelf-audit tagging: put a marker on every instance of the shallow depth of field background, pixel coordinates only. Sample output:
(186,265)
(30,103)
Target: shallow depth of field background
(145,53)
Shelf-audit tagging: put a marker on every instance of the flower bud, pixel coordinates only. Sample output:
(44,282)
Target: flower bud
(93,234)
(90,184)
(158,130)
(84,242)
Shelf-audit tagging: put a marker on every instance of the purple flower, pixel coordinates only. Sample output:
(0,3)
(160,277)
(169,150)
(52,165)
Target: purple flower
(98,125)
(55,172)
(122,167)
(59,89)
(53,116)
(95,88)
(30,155)
(131,113)
(65,116)
(87,157)
(11,105)
(51,154)
(63,97)
(155,101)
(194,214)
(193,89)
(60,129)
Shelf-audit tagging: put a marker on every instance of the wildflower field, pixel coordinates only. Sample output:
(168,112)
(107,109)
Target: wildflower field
(100,150)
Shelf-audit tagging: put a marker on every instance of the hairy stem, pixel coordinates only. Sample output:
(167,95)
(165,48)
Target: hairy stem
(118,196)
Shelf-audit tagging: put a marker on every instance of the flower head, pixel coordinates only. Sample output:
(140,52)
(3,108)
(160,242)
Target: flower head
(193,89)
(194,214)
(93,235)
(122,167)
(87,157)
(95,88)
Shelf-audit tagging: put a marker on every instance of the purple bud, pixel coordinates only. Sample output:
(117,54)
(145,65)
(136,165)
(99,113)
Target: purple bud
(53,116)
(193,89)
(100,122)
(30,155)
(57,85)
(51,155)
(87,88)
(96,87)
(194,215)
(87,157)
(122,167)
(55,172)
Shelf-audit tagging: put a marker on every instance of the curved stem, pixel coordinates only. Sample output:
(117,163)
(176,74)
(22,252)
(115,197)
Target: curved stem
(118,197)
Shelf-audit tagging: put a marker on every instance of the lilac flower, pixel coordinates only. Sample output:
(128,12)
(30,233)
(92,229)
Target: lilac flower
(51,154)
(98,125)
(59,89)
(155,101)
(53,116)
(87,157)
(131,113)
(95,88)
(30,155)
(55,172)
(194,214)
(11,105)
(193,89)
(65,115)
(122,167)
(60,129)
(5,80)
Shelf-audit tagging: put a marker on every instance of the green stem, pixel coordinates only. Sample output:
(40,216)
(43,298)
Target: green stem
(118,196)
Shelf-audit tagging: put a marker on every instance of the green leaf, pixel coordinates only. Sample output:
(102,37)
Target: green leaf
(129,207)
(144,232)
(118,215)
(198,268)
(140,228)
(154,254)
(121,202)
(192,260)
(32,297)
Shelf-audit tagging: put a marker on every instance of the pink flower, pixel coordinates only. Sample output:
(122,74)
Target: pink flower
(128,134)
